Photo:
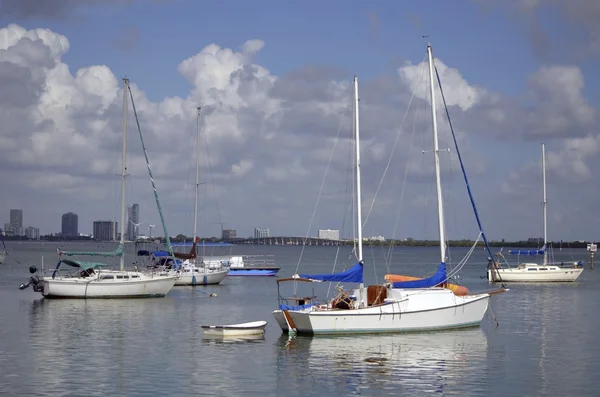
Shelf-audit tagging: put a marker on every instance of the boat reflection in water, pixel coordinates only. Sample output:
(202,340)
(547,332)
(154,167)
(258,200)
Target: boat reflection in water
(212,339)
(425,362)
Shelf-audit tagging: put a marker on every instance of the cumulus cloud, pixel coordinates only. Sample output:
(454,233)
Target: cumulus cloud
(267,138)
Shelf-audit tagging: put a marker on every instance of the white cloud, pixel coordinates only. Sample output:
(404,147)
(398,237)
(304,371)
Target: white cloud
(269,138)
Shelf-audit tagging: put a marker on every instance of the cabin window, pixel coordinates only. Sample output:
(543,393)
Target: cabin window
(135,276)
(110,277)
(122,277)
(532,269)
(543,268)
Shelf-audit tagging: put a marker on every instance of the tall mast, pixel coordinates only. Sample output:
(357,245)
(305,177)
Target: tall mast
(358,194)
(123,168)
(436,157)
(544,203)
(197,171)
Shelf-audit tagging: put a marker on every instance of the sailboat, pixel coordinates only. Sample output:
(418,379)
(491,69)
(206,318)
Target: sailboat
(3,251)
(194,271)
(93,279)
(534,272)
(419,305)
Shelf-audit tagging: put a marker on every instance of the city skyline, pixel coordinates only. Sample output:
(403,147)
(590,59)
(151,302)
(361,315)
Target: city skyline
(276,115)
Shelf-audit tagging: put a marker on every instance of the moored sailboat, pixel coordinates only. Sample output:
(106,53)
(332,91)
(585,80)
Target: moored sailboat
(417,305)
(534,272)
(94,279)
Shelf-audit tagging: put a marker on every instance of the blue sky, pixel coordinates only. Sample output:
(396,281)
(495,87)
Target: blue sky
(364,38)
(522,58)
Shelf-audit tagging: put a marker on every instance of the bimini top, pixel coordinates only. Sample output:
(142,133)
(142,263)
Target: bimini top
(84,265)
(352,275)
(438,278)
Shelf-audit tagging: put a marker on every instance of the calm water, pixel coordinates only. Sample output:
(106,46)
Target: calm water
(545,344)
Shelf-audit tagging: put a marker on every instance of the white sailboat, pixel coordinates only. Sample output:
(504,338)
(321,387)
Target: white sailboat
(3,251)
(534,272)
(93,279)
(422,305)
(193,270)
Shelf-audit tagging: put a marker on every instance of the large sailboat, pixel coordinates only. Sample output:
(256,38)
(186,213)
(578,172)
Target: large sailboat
(534,272)
(419,305)
(87,279)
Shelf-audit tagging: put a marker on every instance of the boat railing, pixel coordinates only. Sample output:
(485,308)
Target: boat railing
(258,260)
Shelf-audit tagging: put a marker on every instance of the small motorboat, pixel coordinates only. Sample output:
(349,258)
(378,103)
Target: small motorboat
(251,328)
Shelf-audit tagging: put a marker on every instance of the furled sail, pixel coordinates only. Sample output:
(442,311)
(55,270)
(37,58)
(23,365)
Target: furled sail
(352,275)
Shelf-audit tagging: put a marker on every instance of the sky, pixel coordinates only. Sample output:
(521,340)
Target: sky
(274,80)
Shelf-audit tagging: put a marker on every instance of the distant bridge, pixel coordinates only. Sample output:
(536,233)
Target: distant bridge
(287,241)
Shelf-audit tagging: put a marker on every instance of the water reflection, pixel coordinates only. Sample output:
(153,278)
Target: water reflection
(393,364)
(215,339)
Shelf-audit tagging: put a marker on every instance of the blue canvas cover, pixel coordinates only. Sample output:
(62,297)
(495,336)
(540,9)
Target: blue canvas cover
(528,252)
(438,278)
(352,275)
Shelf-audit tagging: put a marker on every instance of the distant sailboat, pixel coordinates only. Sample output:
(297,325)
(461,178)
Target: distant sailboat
(93,279)
(3,251)
(534,272)
(194,271)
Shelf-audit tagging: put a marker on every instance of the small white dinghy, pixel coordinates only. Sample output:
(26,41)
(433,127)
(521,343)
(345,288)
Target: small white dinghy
(251,328)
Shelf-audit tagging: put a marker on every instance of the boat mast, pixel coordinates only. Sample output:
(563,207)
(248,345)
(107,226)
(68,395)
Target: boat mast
(544,203)
(358,194)
(436,157)
(123,169)
(197,170)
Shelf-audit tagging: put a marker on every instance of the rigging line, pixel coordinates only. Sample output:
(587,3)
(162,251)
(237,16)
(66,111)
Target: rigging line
(410,151)
(212,176)
(162,218)
(393,147)
(487,246)
(312,217)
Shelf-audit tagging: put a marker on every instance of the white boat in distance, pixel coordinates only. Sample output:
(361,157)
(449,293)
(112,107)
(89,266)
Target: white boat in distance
(92,279)
(408,306)
(193,271)
(244,329)
(534,272)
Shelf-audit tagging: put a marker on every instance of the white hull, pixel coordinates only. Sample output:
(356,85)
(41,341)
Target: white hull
(203,275)
(245,329)
(524,274)
(138,285)
(408,311)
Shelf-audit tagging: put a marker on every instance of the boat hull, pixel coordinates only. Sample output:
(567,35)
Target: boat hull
(86,288)
(416,311)
(246,329)
(201,278)
(524,275)
(249,271)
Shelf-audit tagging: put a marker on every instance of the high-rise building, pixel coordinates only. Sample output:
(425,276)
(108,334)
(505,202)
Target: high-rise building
(105,230)
(16,222)
(329,234)
(261,232)
(133,221)
(228,234)
(32,233)
(70,224)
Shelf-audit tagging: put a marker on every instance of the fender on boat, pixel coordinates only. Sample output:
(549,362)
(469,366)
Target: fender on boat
(458,290)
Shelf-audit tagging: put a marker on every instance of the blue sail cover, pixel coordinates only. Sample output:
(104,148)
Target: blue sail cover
(438,278)
(528,252)
(352,275)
